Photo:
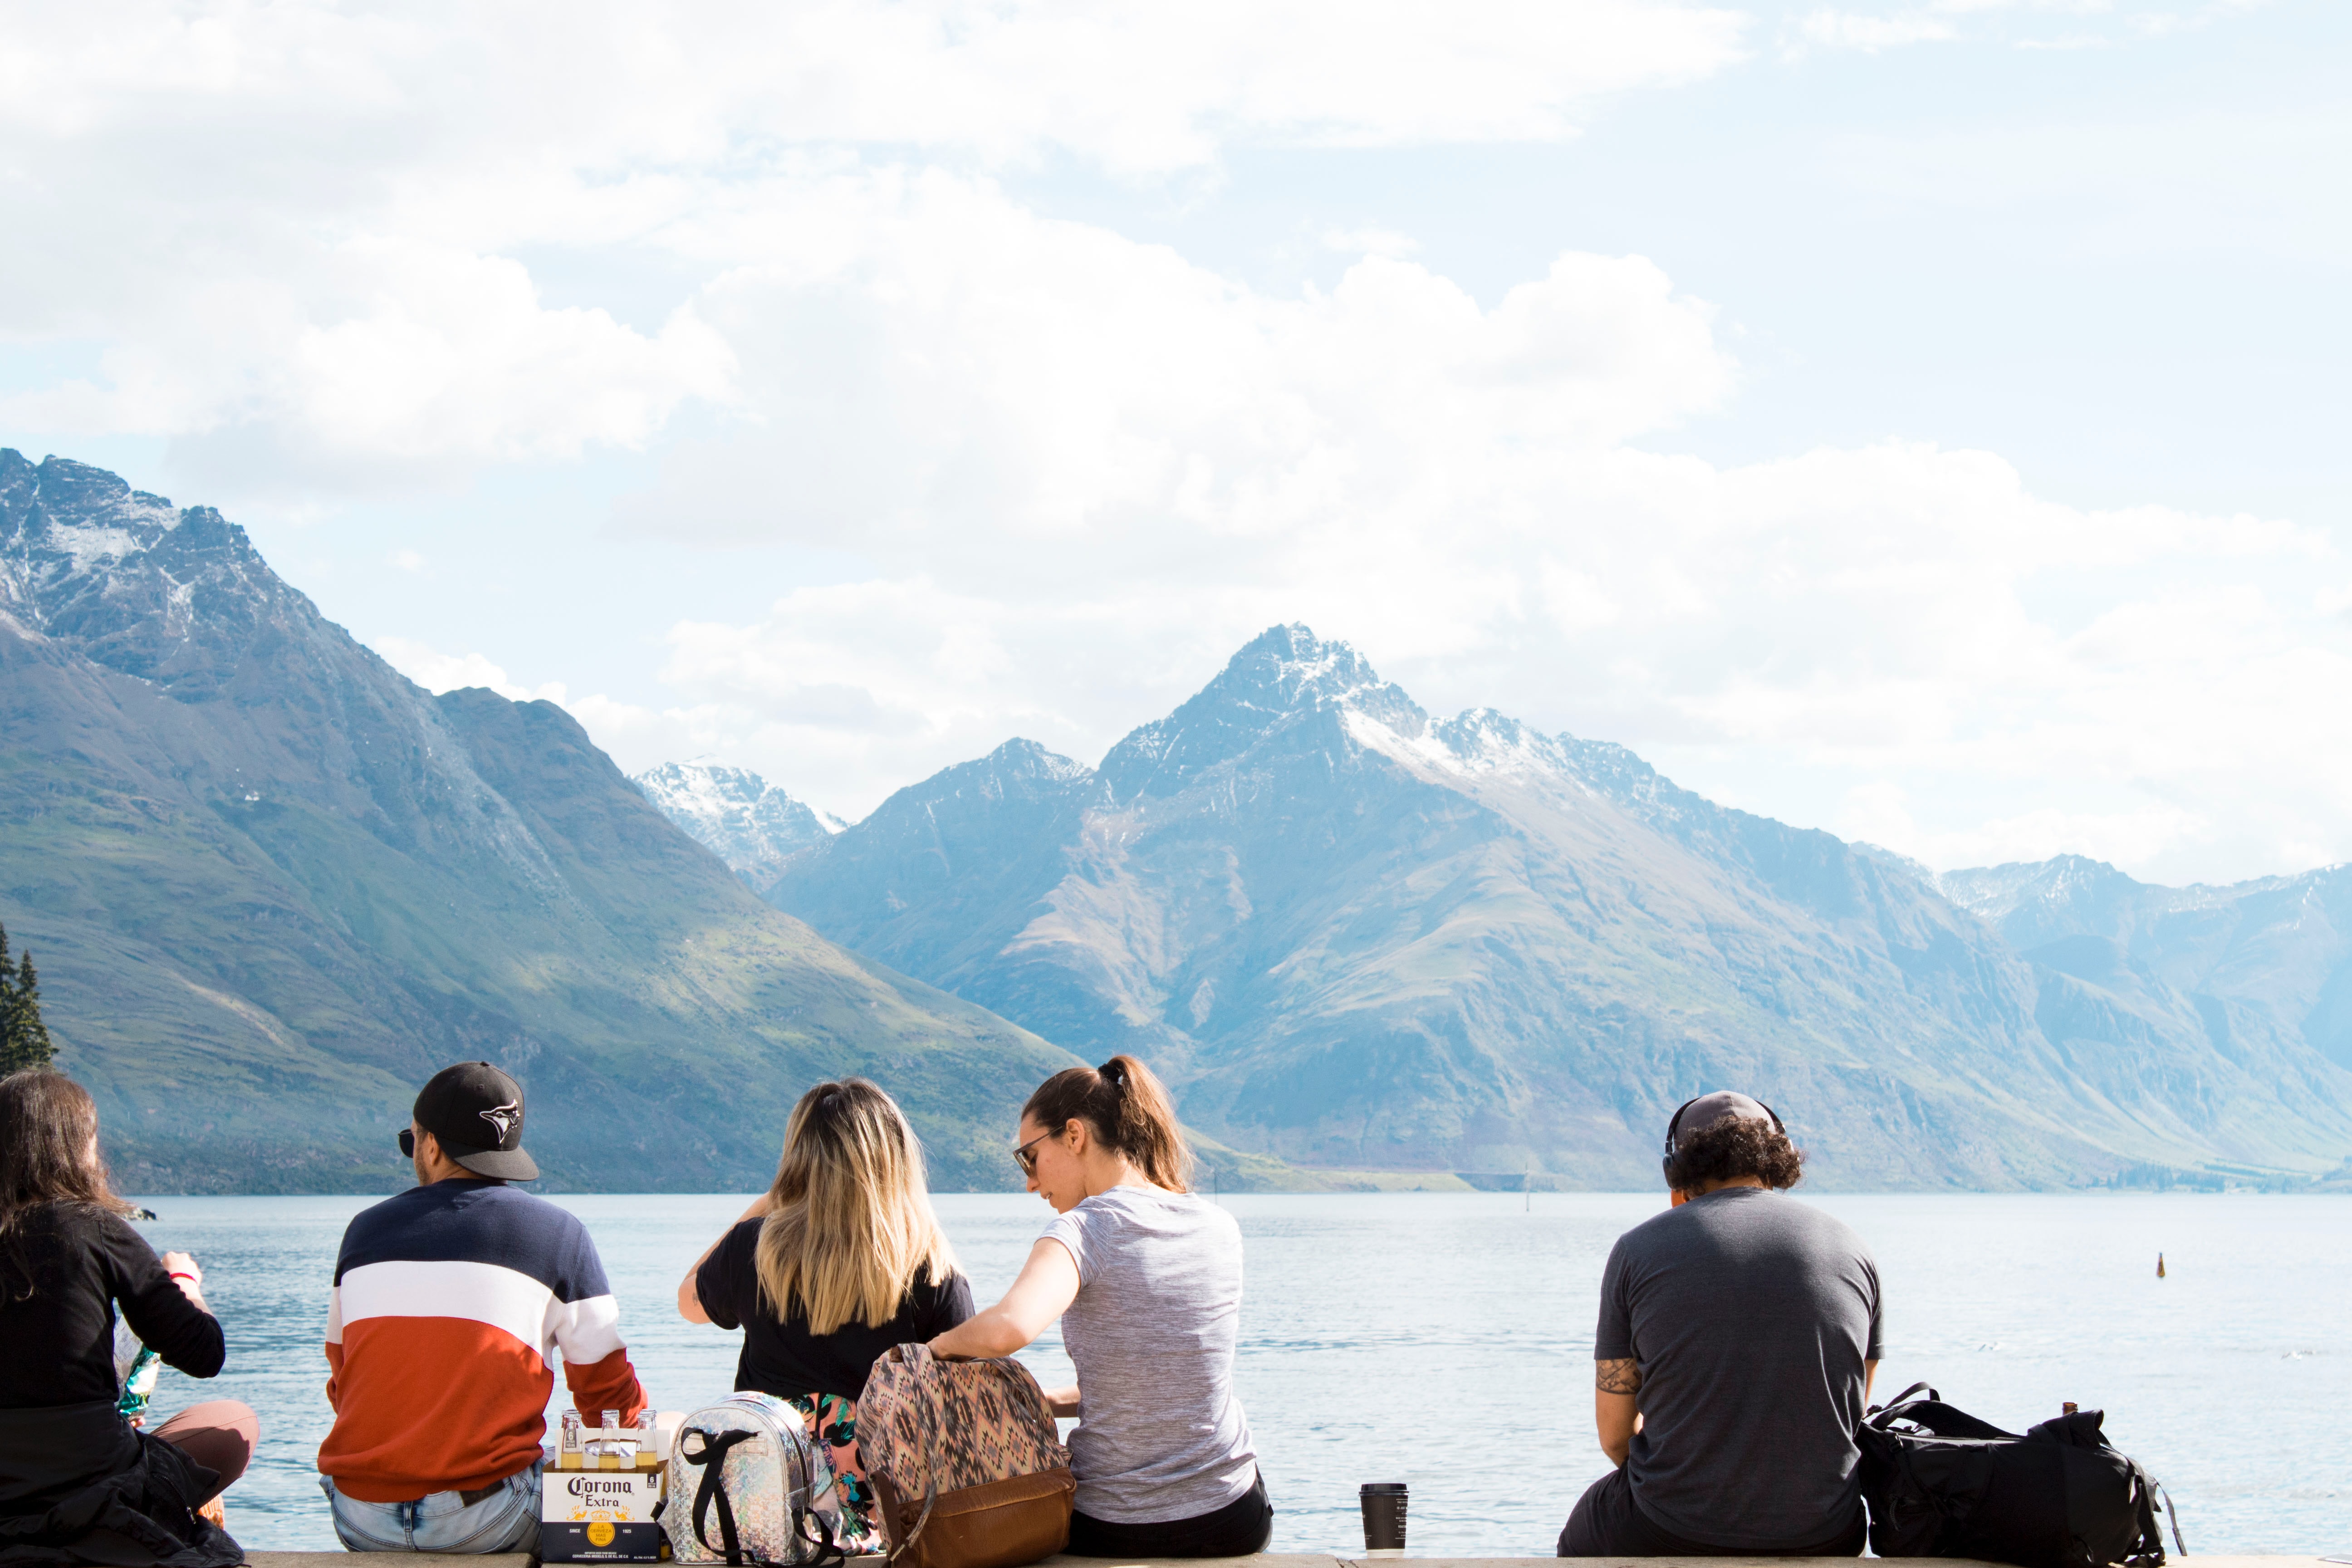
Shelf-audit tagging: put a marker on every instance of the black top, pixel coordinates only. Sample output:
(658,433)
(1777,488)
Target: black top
(1749,1316)
(60,1337)
(783,1358)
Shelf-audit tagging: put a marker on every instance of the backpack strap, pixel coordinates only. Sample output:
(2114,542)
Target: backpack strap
(2147,1552)
(916,1355)
(711,1461)
(930,1496)
(1903,1397)
(1932,1415)
(829,1552)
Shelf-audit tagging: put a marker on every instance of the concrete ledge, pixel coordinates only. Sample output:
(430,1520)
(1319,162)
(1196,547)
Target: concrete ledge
(1276,1560)
(407,1559)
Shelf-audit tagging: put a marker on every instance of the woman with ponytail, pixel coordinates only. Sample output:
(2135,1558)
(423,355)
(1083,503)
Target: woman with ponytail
(1146,1277)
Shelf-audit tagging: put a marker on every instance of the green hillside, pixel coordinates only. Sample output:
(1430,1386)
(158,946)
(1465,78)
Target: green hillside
(272,885)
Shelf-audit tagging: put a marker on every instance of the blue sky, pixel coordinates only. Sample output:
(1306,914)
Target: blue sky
(1920,421)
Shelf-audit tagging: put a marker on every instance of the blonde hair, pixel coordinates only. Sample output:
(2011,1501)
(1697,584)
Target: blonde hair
(849,1226)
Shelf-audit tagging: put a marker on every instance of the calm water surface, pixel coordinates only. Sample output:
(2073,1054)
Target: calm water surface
(1446,1340)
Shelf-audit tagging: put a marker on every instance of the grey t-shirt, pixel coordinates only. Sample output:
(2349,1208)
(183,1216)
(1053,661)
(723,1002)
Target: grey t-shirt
(1749,1315)
(1159,1434)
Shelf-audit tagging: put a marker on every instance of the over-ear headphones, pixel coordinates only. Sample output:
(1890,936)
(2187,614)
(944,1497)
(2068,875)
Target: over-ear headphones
(1677,1121)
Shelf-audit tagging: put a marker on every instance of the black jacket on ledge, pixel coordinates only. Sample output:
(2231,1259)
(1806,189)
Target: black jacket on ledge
(83,1487)
(77,1483)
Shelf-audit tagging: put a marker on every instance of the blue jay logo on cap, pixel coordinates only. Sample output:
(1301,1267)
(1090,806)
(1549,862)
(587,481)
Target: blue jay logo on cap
(502,1117)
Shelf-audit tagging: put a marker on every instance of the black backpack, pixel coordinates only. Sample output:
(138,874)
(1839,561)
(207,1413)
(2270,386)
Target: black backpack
(1941,1483)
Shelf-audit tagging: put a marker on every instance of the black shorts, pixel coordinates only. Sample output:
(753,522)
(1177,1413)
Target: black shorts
(1608,1522)
(1241,1527)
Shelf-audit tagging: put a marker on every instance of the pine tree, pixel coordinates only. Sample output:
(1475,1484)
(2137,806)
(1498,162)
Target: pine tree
(24,1038)
(26,1044)
(7,1008)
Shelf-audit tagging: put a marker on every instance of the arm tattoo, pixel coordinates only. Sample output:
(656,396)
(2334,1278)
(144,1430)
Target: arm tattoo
(1619,1376)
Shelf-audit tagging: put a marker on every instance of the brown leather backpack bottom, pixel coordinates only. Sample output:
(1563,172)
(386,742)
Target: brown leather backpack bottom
(997,1524)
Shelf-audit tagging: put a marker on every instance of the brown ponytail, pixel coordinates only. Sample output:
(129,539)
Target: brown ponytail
(1128,1111)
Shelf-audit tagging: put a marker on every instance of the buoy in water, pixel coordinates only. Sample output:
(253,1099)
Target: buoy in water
(2160,1266)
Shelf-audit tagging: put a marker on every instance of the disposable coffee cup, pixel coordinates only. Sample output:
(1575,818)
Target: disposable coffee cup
(1383,1518)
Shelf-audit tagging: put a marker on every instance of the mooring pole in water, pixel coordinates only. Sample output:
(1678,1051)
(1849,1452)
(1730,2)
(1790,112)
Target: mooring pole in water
(2160,1266)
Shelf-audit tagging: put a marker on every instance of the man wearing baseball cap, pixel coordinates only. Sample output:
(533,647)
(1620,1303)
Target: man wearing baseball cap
(1739,1334)
(449,1304)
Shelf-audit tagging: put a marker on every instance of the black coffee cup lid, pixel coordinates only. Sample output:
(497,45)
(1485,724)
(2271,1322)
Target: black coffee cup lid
(1382,1487)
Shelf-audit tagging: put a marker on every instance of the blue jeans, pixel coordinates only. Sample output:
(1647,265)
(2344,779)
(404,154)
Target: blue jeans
(506,1520)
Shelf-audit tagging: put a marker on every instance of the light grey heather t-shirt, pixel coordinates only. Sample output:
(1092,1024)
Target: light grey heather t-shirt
(1159,1434)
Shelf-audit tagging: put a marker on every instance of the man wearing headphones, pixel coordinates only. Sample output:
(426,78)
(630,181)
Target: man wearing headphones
(1739,1334)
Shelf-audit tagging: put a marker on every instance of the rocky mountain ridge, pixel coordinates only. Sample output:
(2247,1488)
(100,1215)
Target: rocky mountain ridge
(1358,936)
(2255,964)
(751,825)
(274,885)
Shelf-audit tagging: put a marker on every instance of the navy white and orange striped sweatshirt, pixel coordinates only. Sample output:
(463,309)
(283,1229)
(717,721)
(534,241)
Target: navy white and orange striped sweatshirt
(449,1303)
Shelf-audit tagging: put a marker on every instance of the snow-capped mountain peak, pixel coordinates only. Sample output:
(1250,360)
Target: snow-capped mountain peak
(1283,674)
(738,815)
(169,595)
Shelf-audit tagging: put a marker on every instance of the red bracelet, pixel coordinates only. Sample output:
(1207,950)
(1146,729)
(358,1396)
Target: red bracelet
(189,1278)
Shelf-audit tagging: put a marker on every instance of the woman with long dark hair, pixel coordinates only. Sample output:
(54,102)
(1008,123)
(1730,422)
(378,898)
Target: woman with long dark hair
(76,1477)
(1146,1277)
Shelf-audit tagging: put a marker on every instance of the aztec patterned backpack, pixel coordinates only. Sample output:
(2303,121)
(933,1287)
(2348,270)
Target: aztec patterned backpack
(750,1488)
(965,1464)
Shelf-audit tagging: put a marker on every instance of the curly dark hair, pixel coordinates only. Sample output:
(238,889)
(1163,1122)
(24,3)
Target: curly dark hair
(1734,1147)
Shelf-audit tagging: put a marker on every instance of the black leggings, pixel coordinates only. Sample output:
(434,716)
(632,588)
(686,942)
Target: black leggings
(1239,1528)
(1608,1522)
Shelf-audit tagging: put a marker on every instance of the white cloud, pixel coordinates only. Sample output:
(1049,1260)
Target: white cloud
(942,362)
(1902,615)
(2089,23)
(1132,86)
(1086,469)
(377,353)
(1878,813)
(295,231)
(341,247)
(628,730)
(438,672)
(1860,30)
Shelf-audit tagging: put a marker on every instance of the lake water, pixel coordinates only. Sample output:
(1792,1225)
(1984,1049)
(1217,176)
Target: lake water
(1445,1340)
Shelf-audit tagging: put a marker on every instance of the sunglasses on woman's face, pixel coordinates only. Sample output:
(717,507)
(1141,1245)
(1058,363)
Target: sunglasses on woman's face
(1026,1160)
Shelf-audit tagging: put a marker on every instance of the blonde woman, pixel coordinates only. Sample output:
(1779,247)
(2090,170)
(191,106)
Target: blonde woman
(840,1259)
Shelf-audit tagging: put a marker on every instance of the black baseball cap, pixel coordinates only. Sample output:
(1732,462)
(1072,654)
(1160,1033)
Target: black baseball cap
(475,1111)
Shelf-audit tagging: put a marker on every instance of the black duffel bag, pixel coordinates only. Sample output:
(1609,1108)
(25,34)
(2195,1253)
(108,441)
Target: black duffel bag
(1941,1483)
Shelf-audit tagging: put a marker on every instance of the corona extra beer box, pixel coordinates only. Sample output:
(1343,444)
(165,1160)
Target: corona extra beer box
(599,1495)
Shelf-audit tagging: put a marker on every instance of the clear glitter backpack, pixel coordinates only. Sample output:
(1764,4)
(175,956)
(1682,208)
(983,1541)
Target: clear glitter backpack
(750,1488)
